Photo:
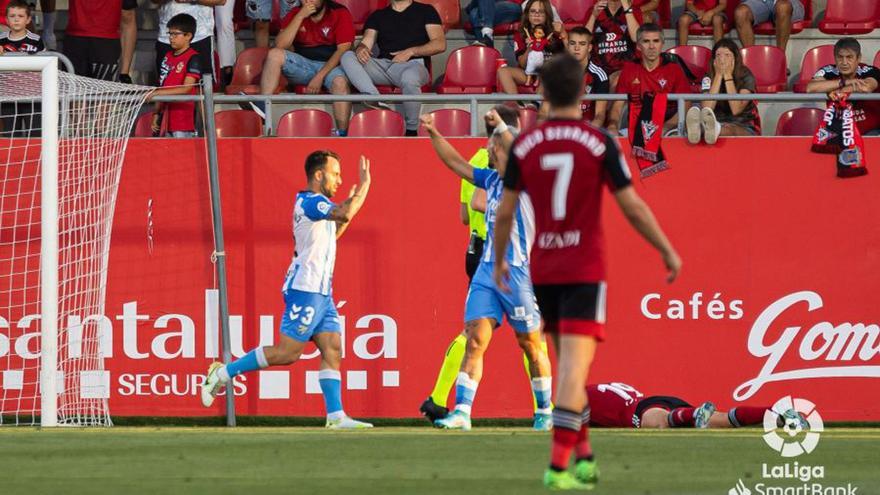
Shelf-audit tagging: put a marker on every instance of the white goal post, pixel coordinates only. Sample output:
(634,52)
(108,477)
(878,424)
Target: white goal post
(77,176)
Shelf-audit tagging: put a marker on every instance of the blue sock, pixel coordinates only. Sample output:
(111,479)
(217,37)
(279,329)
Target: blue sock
(251,361)
(331,387)
(541,387)
(465,391)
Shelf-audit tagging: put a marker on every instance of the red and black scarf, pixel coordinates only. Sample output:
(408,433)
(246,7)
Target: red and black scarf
(838,134)
(646,118)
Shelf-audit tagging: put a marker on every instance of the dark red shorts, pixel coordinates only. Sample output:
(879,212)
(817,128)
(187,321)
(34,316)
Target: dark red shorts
(573,309)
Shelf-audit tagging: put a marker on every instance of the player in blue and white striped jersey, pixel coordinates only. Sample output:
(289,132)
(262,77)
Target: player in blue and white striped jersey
(309,313)
(486,303)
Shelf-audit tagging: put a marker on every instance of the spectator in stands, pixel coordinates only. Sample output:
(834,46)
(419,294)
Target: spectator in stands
(260,11)
(224,25)
(406,34)
(203,42)
(707,13)
(579,45)
(781,12)
(849,75)
(537,13)
(654,74)
(614,24)
(19,38)
(308,50)
(727,75)
(92,39)
(178,75)
(486,14)
(47,8)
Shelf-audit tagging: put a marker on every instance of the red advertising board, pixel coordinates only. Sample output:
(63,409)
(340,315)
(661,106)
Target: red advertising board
(778,294)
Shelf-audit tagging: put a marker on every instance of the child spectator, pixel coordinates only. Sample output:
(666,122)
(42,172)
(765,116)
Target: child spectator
(203,42)
(18,38)
(178,75)
(849,75)
(536,13)
(727,75)
(707,13)
(614,24)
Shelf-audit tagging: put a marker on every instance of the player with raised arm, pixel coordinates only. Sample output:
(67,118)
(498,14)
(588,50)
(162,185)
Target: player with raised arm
(486,305)
(563,164)
(309,312)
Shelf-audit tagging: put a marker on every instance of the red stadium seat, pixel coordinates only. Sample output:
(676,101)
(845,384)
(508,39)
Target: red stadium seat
(850,17)
(308,122)
(814,59)
(238,123)
(451,122)
(697,58)
(768,64)
(877,59)
(449,10)
(796,27)
(376,123)
(471,69)
(528,117)
(799,122)
(701,30)
(247,71)
(361,9)
(143,125)
(574,12)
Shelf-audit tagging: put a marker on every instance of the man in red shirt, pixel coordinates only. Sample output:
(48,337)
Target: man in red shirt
(563,165)
(614,24)
(92,39)
(307,51)
(653,74)
(618,405)
(849,75)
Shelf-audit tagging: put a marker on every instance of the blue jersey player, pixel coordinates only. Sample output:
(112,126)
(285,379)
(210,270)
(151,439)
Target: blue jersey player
(309,310)
(486,304)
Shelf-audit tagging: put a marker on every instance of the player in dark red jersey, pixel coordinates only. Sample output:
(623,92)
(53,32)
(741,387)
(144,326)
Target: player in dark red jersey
(653,74)
(618,405)
(563,164)
(849,75)
(614,24)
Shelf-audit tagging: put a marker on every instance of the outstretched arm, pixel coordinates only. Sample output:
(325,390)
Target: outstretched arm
(344,212)
(449,155)
(639,215)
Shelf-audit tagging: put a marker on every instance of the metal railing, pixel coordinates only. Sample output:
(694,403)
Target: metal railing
(474,100)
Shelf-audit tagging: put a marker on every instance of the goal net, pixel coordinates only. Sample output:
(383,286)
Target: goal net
(62,142)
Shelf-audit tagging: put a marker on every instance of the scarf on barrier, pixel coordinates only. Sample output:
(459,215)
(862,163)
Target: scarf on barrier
(838,134)
(646,132)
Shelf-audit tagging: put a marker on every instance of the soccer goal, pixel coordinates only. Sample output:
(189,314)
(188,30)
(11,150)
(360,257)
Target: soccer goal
(62,143)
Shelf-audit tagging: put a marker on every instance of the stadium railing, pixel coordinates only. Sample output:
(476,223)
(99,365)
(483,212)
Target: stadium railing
(474,100)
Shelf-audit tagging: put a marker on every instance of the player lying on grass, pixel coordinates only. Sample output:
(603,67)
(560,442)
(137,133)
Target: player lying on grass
(564,165)
(309,312)
(619,405)
(473,209)
(486,305)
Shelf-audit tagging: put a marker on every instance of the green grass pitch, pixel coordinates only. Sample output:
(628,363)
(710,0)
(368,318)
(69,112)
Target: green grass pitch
(259,461)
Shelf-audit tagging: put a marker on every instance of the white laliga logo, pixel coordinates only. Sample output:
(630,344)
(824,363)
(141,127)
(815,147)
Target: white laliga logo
(798,414)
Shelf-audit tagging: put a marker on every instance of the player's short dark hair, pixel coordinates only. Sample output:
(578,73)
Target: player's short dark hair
(848,44)
(563,80)
(649,27)
(581,31)
(317,160)
(20,4)
(508,115)
(183,22)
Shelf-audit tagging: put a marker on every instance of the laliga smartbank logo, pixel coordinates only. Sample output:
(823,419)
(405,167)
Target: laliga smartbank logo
(793,432)
(800,416)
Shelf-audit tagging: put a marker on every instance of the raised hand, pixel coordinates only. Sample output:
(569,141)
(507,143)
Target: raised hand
(364,170)
(428,123)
